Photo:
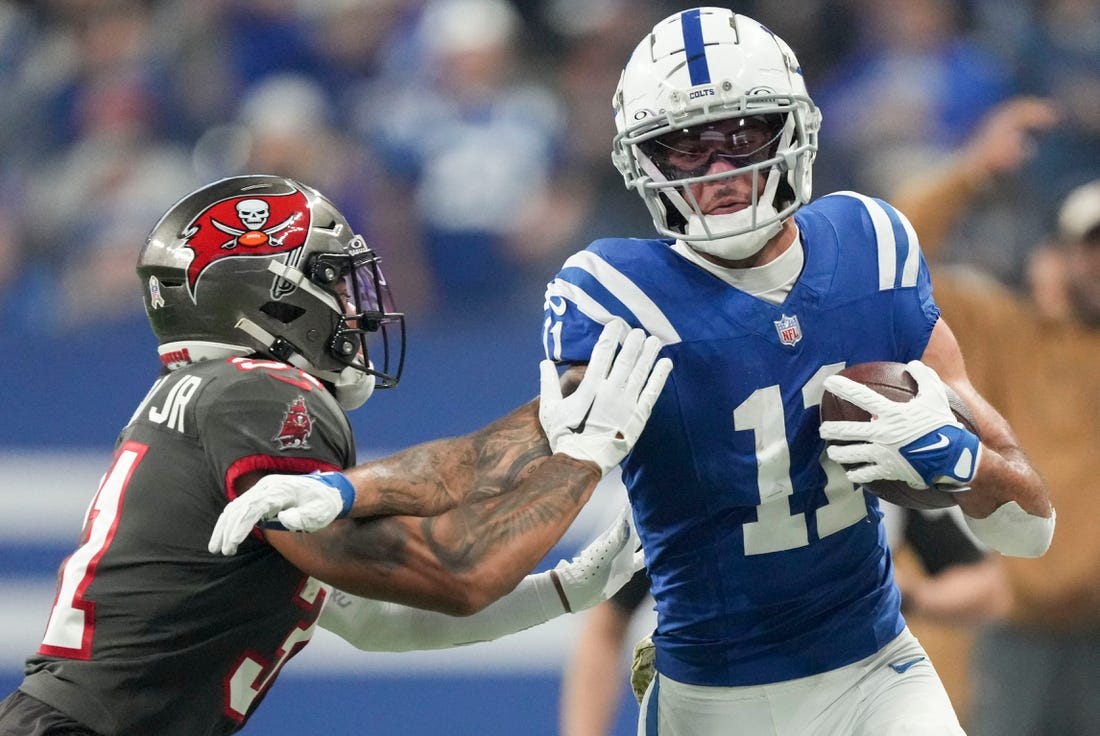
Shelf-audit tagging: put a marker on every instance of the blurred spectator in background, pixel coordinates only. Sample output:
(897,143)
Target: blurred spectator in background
(86,205)
(269,37)
(1060,59)
(93,159)
(991,175)
(1052,48)
(911,90)
(587,194)
(1033,673)
(474,142)
(489,116)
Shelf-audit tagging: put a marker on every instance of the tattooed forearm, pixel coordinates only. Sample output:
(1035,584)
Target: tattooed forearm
(500,456)
(530,515)
(429,479)
(494,487)
(406,483)
(454,524)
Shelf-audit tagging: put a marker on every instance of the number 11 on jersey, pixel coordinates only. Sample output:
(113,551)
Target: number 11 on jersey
(776,528)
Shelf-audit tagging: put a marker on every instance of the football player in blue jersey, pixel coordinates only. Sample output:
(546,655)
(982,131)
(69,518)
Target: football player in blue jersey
(777,611)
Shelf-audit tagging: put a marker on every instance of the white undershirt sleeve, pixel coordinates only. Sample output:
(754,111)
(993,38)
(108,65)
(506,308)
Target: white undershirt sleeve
(380,626)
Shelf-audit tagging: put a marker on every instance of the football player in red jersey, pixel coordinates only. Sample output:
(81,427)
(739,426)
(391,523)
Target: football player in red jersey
(273,318)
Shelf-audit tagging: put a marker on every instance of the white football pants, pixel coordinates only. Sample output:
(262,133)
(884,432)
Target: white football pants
(893,692)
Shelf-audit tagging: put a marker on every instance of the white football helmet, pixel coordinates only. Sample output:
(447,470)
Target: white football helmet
(695,69)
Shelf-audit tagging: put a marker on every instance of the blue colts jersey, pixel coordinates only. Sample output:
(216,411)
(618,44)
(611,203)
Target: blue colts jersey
(767,564)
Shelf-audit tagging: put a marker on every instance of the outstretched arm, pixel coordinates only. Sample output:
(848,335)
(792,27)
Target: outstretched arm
(518,500)
(598,422)
(425,480)
(515,498)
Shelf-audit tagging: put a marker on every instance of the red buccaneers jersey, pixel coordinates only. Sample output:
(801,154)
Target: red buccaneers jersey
(150,633)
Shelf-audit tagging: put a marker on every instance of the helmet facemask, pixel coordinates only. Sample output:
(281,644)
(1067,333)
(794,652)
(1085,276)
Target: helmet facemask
(362,322)
(367,316)
(779,167)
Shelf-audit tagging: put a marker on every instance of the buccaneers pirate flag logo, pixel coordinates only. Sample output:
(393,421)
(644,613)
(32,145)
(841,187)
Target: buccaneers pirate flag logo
(297,426)
(247,227)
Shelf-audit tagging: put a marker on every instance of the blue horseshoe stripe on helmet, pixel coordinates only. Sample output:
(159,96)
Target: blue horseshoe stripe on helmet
(692,27)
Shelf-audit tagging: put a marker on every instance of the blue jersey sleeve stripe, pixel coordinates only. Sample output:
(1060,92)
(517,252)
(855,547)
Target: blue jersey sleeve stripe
(904,243)
(649,315)
(911,268)
(588,306)
(898,258)
(692,26)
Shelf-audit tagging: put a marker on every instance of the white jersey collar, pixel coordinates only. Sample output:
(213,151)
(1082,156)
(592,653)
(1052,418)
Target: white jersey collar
(771,282)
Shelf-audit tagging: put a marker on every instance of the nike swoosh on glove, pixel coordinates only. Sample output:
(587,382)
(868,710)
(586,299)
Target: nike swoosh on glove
(918,441)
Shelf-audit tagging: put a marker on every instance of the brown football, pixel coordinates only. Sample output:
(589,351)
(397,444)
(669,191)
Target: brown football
(893,381)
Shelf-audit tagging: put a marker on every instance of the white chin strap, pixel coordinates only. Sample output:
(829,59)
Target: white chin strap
(353,387)
(732,247)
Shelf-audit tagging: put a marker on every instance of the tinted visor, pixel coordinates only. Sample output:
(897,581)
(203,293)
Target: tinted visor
(690,152)
(371,334)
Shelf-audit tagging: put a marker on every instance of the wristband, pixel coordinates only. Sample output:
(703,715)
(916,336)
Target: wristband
(1014,532)
(341,483)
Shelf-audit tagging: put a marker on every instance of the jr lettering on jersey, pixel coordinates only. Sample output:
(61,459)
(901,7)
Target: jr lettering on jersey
(171,412)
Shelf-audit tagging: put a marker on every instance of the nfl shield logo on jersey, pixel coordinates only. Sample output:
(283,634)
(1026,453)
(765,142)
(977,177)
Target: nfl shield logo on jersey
(790,332)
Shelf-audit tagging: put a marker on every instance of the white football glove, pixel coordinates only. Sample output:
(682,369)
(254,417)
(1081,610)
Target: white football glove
(918,441)
(603,567)
(300,503)
(602,419)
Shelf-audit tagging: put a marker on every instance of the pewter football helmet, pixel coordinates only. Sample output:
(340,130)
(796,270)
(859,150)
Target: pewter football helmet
(266,265)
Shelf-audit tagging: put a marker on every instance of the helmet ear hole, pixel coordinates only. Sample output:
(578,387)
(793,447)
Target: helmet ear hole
(346,346)
(282,312)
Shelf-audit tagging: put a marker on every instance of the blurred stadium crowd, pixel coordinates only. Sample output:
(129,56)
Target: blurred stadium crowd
(469,139)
